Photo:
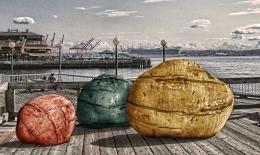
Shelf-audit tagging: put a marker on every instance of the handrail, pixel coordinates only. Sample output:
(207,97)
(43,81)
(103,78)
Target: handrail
(77,75)
(25,77)
(241,80)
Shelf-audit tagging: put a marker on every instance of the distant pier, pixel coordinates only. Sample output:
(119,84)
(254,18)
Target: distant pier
(78,64)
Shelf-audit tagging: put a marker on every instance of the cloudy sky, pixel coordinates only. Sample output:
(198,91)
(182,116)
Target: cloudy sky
(137,21)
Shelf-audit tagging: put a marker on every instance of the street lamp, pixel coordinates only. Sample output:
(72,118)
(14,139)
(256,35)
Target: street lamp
(116,43)
(60,45)
(12,46)
(163,43)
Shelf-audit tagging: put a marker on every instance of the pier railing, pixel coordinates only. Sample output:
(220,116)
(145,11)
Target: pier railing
(23,78)
(241,87)
(244,87)
(88,63)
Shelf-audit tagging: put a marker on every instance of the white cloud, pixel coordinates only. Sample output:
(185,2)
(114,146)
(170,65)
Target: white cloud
(128,33)
(79,8)
(243,31)
(254,38)
(248,12)
(55,16)
(109,10)
(200,23)
(69,44)
(156,1)
(250,2)
(235,46)
(23,20)
(120,33)
(94,7)
(115,13)
(237,36)
(253,26)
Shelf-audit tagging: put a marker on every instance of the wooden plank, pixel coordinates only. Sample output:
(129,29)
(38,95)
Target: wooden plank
(243,131)
(122,143)
(223,146)
(241,80)
(11,144)
(75,145)
(249,121)
(2,102)
(58,149)
(242,138)
(247,126)
(24,149)
(106,142)
(41,150)
(138,143)
(10,103)
(91,142)
(156,145)
(208,147)
(47,85)
(6,137)
(237,144)
(190,146)
(10,147)
(4,118)
(173,146)
(3,87)
(245,95)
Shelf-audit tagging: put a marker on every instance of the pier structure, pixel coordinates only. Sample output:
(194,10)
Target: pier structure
(78,64)
(240,135)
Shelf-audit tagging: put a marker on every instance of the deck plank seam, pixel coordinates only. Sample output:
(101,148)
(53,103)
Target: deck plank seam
(229,124)
(165,146)
(237,133)
(114,140)
(147,144)
(191,143)
(226,144)
(239,123)
(83,142)
(129,141)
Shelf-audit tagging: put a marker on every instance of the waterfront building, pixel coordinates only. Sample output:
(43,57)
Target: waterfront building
(29,45)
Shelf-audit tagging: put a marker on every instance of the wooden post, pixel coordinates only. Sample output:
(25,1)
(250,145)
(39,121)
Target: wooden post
(78,92)
(10,103)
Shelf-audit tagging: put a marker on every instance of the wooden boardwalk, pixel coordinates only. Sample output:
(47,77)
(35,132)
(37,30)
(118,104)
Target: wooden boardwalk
(241,135)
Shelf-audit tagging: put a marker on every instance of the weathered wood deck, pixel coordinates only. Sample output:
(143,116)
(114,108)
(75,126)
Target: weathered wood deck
(241,135)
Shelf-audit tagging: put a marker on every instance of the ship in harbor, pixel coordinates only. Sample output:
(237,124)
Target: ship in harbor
(154,51)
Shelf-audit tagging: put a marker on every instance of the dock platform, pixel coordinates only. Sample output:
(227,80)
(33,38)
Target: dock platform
(241,135)
(78,64)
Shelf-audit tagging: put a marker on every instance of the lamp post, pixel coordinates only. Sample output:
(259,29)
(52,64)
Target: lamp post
(163,43)
(60,45)
(12,46)
(116,43)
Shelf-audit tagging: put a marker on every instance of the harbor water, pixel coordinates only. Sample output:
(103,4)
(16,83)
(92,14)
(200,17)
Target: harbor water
(218,66)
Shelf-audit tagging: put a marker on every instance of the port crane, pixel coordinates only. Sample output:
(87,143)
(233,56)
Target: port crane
(85,46)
